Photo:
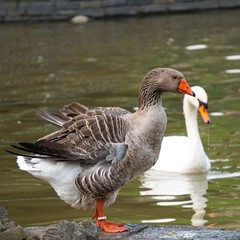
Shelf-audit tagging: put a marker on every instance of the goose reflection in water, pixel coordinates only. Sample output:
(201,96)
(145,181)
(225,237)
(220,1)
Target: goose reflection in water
(169,187)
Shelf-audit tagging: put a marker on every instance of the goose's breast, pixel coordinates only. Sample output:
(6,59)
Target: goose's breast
(150,127)
(145,137)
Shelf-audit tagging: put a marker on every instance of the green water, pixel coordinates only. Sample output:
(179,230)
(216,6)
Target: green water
(101,63)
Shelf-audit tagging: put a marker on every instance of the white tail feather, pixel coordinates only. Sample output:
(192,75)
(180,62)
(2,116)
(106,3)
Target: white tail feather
(25,164)
(61,175)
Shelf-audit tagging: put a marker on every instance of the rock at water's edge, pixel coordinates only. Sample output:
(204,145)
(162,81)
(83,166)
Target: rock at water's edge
(87,230)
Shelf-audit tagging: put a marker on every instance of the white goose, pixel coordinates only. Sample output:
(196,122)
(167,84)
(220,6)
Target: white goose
(185,154)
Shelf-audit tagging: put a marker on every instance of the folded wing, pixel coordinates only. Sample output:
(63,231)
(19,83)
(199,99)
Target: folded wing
(88,136)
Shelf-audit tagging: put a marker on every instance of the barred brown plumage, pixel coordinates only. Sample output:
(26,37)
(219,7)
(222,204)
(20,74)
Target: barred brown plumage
(96,151)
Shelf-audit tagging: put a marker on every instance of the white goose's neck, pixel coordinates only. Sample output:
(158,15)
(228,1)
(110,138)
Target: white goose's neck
(190,113)
(197,160)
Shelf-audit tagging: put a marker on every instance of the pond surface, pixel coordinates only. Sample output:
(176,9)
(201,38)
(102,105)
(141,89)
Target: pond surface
(101,63)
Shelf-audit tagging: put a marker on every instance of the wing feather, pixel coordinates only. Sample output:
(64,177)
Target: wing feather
(85,135)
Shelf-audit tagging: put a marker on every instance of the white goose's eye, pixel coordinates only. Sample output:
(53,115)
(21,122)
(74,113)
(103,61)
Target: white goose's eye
(175,77)
(203,104)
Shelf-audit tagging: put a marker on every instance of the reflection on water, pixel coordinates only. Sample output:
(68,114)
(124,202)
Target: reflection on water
(102,63)
(169,188)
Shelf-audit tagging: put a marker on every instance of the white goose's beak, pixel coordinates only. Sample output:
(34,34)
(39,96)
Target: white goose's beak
(204,113)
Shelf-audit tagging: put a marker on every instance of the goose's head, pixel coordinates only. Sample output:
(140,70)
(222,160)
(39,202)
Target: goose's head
(166,80)
(160,80)
(200,102)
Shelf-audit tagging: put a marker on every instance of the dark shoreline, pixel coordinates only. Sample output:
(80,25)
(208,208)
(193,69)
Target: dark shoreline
(63,10)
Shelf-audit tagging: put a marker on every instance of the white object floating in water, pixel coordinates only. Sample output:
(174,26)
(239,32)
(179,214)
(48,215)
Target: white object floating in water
(164,220)
(91,59)
(40,59)
(230,71)
(196,47)
(80,19)
(217,114)
(233,57)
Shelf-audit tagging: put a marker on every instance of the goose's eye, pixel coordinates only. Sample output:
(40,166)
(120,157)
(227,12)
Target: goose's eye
(202,104)
(175,77)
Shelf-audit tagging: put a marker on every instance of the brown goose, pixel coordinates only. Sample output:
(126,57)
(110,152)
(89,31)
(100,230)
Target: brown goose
(96,151)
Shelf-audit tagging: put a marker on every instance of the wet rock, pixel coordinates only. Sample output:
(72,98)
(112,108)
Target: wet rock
(180,233)
(144,232)
(66,230)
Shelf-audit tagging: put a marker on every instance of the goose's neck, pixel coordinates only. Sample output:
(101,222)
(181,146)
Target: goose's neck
(149,96)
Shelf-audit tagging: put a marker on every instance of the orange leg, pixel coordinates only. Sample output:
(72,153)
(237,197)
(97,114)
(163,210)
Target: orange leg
(103,223)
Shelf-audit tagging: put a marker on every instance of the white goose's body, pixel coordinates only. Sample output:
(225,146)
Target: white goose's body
(185,154)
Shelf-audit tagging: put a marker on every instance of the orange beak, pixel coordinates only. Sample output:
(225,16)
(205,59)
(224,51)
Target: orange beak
(204,113)
(185,88)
